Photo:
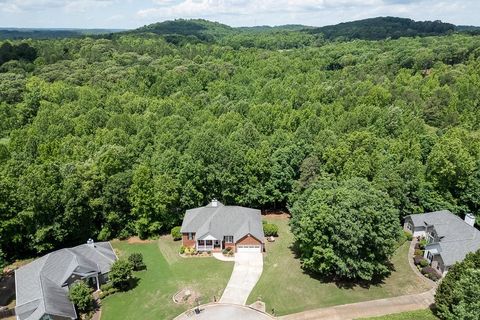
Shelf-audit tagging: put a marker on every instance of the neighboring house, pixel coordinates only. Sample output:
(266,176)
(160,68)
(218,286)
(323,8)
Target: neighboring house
(216,227)
(42,285)
(449,237)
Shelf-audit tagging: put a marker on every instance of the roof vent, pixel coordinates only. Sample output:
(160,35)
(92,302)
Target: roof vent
(91,243)
(214,203)
(470,219)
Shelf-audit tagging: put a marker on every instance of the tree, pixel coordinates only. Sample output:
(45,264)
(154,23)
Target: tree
(345,230)
(121,274)
(457,295)
(136,260)
(175,233)
(81,296)
(2,262)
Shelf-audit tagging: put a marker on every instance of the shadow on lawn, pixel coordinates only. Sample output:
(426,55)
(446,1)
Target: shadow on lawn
(344,283)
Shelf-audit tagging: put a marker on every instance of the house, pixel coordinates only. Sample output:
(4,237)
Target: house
(216,227)
(42,285)
(449,238)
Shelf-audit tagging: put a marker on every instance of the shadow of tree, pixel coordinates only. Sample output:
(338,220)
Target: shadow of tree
(340,282)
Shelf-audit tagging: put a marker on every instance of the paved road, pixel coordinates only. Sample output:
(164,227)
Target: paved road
(246,272)
(220,311)
(371,308)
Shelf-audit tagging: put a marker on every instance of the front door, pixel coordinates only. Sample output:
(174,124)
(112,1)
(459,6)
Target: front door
(217,244)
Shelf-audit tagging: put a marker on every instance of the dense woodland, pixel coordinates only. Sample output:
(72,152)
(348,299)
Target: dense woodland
(108,138)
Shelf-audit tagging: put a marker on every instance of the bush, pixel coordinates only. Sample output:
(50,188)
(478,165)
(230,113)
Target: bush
(419,252)
(120,274)
(417,259)
(81,296)
(423,263)
(182,249)
(431,273)
(270,229)
(189,250)
(105,287)
(408,235)
(176,234)
(136,259)
(422,243)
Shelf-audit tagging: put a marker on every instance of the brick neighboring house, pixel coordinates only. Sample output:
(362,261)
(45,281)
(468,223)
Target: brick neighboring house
(449,237)
(216,227)
(42,286)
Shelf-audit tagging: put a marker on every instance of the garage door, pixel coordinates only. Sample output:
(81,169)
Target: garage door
(249,248)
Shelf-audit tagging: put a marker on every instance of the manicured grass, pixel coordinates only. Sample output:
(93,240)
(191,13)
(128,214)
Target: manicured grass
(151,299)
(426,314)
(286,288)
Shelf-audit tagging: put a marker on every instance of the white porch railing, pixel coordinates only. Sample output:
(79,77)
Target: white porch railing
(204,248)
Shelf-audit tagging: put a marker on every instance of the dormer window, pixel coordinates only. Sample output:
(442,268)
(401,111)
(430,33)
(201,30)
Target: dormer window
(228,239)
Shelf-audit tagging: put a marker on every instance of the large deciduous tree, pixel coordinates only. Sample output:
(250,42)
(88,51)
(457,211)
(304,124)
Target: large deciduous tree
(345,230)
(457,295)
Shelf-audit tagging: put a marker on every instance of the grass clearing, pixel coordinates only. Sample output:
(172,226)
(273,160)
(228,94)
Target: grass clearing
(151,299)
(286,288)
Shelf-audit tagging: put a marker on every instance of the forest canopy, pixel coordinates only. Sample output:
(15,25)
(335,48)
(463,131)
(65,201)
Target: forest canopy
(104,138)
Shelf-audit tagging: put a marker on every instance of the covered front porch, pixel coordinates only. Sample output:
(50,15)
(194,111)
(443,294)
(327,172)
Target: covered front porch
(209,243)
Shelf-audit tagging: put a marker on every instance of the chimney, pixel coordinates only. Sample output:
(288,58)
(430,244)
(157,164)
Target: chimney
(91,243)
(470,219)
(214,203)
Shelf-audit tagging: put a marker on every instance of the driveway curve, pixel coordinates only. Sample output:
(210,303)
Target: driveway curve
(246,272)
(219,311)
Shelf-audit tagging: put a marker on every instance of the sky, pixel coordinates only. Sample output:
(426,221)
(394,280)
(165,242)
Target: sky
(129,14)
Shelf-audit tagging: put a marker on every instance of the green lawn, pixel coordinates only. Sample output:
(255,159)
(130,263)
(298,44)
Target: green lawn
(284,287)
(426,314)
(167,273)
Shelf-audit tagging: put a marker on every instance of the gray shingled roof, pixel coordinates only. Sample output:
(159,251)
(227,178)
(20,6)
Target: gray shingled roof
(223,221)
(457,238)
(40,284)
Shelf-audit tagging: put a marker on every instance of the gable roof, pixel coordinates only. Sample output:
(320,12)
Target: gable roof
(40,284)
(457,238)
(223,221)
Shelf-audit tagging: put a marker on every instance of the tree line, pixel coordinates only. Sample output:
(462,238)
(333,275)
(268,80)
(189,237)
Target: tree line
(115,137)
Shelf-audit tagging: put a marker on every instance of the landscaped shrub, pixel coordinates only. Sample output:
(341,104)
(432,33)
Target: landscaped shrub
(270,230)
(431,273)
(423,243)
(81,296)
(423,263)
(417,259)
(176,234)
(228,251)
(190,250)
(121,273)
(136,259)
(107,289)
(408,235)
(182,249)
(418,252)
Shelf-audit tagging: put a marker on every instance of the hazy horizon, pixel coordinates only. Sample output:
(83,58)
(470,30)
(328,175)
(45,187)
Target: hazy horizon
(130,14)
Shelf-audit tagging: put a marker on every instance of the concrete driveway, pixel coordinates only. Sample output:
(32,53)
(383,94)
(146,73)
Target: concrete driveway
(220,311)
(246,272)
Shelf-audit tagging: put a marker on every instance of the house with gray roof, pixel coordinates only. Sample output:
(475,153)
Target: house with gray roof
(215,227)
(42,285)
(449,237)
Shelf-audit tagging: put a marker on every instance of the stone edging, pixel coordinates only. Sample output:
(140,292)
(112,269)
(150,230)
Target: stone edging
(411,252)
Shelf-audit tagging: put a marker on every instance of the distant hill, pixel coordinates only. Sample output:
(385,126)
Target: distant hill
(194,29)
(27,33)
(382,28)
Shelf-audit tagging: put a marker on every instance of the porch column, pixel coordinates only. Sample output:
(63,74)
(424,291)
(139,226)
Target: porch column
(98,283)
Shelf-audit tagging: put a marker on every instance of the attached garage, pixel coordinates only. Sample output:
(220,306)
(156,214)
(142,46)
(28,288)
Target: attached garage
(249,248)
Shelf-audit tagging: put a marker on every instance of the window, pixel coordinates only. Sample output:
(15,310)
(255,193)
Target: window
(191,235)
(228,239)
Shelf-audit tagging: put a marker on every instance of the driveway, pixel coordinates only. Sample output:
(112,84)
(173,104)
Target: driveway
(220,311)
(246,272)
